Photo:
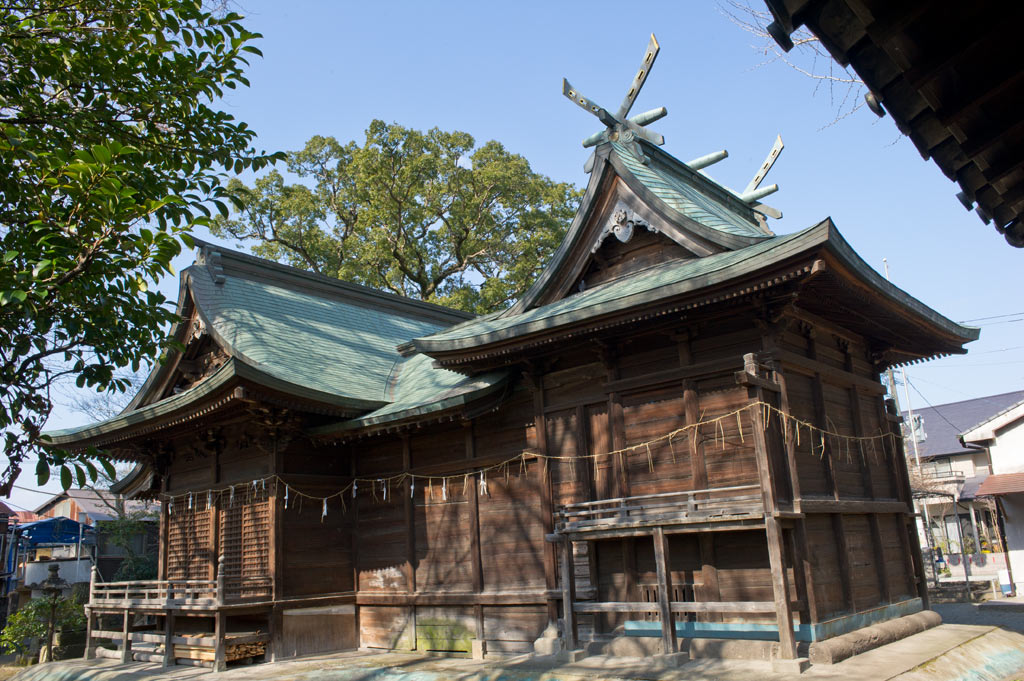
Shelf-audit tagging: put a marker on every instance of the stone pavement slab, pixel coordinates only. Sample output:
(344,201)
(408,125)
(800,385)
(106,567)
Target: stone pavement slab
(963,649)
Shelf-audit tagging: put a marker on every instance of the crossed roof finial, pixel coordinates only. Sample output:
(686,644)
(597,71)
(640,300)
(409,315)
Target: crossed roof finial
(619,128)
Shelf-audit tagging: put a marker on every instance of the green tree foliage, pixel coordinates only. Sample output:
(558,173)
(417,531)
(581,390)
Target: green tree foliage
(32,622)
(421,214)
(110,152)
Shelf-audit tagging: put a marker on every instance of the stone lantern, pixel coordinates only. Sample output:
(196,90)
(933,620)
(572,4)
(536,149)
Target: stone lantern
(53,586)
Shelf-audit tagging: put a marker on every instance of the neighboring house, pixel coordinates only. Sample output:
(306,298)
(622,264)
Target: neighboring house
(88,506)
(94,508)
(946,475)
(1003,435)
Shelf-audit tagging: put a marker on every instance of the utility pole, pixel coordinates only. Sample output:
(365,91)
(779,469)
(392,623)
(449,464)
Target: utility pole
(925,519)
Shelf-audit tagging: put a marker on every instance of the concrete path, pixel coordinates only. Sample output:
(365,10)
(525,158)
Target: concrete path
(950,652)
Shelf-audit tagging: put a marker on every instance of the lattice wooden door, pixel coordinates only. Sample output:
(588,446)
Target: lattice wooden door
(189,540)
(245,543)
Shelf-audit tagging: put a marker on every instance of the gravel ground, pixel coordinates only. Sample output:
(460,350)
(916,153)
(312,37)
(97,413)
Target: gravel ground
(970,613)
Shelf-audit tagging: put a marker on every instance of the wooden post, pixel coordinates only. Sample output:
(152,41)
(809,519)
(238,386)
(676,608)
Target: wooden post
(410,519)
(889,419)
(773,532)
(126,636)
(536,382)
(90,649)
(668,625)
(780,589)
(869,491)
(802,564)
(474,539)
(220,580)
(570,632)
(219,653)
(168,638)
(710,591)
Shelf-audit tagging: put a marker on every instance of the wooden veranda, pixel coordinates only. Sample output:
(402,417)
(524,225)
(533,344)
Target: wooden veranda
(172,599)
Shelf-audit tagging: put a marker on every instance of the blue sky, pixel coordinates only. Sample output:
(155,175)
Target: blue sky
(495,70)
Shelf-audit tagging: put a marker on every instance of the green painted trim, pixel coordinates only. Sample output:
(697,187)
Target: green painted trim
(770,632)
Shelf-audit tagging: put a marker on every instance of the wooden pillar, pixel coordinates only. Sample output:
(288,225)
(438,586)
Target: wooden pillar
(780,589)
(661,561)
(277,528)
(773,532)
(474,534)
(168,638)
(691,412)
(798,558)
(570,632)
(869,491)
(90,649)
(710,591)
(802,563)
(831,484)
(219,634)
(165,532)
(126,636)
(410,519)
(353,519)
(536,382)
(889,420)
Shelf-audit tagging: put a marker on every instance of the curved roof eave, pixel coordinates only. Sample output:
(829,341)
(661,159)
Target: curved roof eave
(429,409)
(842,248)
(739,263)
(207,388)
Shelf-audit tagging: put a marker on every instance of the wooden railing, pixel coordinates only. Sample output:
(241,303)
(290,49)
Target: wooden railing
(165,594)
(172,594)
(669,508)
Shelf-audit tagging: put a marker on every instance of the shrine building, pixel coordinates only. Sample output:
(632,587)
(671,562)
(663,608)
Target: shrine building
(678,435)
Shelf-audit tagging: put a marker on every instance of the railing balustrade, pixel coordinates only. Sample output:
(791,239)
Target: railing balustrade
(669,507)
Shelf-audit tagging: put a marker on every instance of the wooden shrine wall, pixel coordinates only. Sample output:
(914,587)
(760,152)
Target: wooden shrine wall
(860,560)
(436,564)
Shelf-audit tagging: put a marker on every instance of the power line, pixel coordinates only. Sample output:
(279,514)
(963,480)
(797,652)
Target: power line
(37,491)
(994,316)
(921,395)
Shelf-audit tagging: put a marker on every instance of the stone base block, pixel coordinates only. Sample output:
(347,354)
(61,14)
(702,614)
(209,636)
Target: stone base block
(479,649)
(571,655)
(796,666)
(627,646)
(731,649)
(672,660)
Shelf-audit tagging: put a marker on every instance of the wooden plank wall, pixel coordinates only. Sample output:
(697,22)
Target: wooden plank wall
(433,564)
(859,560)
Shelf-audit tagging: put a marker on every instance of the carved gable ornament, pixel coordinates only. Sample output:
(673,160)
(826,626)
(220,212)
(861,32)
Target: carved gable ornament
(621,224)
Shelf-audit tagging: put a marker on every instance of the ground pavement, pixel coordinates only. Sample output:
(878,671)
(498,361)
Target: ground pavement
(973,644)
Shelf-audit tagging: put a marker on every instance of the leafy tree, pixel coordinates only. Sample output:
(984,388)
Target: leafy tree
(32,621)
(110,153)
(421,214)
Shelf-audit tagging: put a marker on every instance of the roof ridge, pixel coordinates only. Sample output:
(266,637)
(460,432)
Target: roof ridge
(699,180)
(311,282)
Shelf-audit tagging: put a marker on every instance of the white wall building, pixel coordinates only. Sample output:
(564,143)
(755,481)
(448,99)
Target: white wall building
(1003,435)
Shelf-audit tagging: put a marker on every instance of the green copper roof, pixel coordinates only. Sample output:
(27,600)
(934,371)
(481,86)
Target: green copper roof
(670,279)
(306,339)
(417,387)
(694,195)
